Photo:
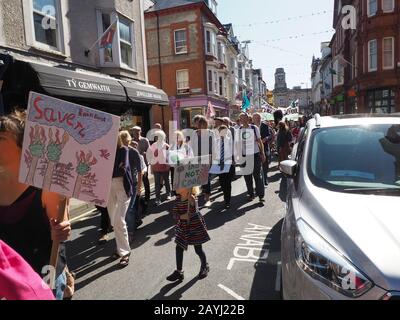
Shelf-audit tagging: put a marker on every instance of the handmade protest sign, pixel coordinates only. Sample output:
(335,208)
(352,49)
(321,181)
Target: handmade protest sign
(191,173)
(69,149)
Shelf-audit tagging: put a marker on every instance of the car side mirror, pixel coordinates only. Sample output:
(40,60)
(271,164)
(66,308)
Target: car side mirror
(288,167)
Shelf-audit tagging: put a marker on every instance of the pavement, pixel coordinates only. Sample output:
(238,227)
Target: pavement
(244,253)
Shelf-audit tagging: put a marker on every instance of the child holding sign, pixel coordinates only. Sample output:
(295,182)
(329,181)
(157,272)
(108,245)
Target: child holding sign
(190,230)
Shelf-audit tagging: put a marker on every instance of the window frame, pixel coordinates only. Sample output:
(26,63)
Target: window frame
(393,6)
(116,47)
(216,82)
(383,54)
(369,55)
(180,89)
(219,51)
(210,81)
(221,85)
(59,28)
(369,7)
(212,44)
(186,41)
(123,65)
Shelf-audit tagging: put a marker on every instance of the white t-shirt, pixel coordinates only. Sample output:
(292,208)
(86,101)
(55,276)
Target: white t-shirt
(249,137)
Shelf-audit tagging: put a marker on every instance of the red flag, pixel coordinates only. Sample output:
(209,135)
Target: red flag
(210,111)
(108,36)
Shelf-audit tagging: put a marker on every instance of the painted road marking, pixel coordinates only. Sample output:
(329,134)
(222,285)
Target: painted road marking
(253,246)
(231,292)
(278,277)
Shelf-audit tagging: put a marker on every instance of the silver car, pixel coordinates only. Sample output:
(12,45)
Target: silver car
(341,235)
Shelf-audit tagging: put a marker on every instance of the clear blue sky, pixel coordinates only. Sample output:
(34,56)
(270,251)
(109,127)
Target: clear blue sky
(297,65)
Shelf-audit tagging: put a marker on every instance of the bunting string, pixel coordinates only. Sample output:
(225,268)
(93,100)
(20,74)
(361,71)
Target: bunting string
(313,14)
(299,36)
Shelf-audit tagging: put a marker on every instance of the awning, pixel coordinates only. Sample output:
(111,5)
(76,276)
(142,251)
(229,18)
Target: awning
(139,92)
(62,82)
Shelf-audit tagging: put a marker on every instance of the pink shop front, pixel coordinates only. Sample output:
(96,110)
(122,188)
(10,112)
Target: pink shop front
(185,109)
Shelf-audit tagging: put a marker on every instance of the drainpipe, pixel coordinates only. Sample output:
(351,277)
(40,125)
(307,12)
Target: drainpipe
(160,67)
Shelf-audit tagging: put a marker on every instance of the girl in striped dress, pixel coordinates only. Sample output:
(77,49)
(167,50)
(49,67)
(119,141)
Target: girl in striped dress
(190,230)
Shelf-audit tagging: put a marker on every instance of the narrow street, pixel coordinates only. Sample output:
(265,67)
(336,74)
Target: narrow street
(244,253)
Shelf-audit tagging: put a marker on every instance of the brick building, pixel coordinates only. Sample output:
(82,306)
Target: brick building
(367,59)
(187,57)
(54,60)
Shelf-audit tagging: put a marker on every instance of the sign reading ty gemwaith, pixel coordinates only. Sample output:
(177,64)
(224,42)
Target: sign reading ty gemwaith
(69,149)
(193,173)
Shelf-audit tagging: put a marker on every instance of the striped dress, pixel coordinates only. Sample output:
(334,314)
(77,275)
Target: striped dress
(193,232)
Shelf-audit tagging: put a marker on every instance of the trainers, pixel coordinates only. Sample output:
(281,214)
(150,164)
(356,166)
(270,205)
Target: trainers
(250,198)
(204,272)
(176,276)
(103,239)
(169,198)
(158,203)
(262,199)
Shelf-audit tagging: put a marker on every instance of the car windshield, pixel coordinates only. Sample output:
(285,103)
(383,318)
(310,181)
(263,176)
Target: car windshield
(357,158)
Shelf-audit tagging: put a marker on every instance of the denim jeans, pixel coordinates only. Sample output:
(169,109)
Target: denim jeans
(132,212)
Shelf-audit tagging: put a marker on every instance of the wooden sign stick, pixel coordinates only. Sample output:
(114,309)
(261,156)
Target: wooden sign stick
(56,245)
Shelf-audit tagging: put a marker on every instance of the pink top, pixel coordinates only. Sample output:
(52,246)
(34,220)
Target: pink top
(18,281)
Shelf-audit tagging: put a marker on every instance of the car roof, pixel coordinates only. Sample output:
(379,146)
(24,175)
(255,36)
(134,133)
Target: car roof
(354,120)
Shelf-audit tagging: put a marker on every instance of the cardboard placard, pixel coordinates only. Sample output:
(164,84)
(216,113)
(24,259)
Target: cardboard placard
(192,173)
(69,149)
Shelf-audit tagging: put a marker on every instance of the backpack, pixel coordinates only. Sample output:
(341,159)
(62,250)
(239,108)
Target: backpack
(18,281)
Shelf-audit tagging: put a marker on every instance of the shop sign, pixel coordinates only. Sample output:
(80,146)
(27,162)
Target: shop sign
(149,95)
(89,86)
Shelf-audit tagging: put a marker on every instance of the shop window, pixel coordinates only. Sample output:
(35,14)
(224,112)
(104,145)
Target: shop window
(47,24)
(381,101)
(182,81)
(180,37)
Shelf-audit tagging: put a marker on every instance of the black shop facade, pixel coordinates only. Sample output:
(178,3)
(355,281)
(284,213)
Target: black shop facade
(129,99)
